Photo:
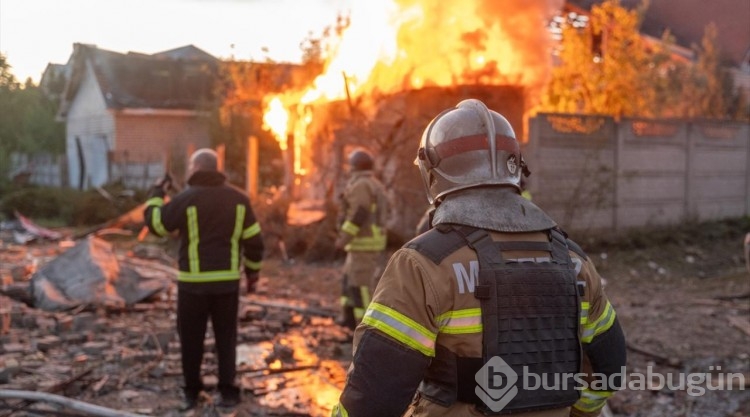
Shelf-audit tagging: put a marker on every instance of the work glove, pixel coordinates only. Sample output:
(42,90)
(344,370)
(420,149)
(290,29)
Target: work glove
(251,281)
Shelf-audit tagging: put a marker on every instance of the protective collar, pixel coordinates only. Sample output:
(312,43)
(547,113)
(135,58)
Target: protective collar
(500,209)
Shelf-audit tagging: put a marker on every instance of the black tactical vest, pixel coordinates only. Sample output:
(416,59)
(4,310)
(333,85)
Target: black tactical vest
(530,320)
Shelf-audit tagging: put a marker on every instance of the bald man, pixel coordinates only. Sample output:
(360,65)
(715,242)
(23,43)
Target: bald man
(219,241)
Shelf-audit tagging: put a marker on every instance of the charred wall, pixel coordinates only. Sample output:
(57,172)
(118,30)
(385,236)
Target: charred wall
(391,127)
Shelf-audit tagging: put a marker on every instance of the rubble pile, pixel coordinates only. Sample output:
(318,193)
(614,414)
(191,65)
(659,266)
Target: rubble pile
(123,353)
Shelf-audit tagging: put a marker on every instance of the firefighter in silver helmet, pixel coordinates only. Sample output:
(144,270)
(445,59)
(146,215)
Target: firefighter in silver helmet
(362,234)
(490,298)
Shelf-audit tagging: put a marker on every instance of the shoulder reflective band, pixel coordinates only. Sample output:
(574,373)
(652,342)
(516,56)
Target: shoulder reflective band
(401,328)
(591,401)
(155,202)
(251,231)
(156,223)
(461,321)
(600,325)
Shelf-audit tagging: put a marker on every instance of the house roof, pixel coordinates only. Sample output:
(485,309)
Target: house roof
(181,78)
(687,20)
(186,53)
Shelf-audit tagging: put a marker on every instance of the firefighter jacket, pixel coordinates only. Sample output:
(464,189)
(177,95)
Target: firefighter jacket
(364,207)
(217,229)
(423,331)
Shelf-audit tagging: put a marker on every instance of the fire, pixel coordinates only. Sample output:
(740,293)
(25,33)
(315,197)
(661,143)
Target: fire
(276,119)
(397,45)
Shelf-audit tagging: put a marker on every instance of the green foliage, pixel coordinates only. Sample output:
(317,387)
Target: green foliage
(27,120)
(66,206)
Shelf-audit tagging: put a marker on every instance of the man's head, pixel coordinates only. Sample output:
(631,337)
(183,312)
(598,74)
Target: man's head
(203,160)
(468,146)
(360,160)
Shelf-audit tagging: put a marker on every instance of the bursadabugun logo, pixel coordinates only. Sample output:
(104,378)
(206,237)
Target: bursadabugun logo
(496,383)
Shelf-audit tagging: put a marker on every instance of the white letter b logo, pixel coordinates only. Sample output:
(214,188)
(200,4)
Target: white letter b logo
(496,382)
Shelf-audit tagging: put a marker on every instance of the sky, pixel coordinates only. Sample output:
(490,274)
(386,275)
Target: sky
(34,33)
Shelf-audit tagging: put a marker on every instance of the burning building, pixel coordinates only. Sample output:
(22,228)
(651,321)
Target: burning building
(393,66)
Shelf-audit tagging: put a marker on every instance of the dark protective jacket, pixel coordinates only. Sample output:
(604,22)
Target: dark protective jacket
(217,229)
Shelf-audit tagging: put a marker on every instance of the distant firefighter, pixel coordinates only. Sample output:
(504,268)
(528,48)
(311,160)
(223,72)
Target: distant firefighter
(362,234)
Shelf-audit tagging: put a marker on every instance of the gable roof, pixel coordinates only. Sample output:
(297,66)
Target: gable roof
(186,53)
(181,78)
(687,20)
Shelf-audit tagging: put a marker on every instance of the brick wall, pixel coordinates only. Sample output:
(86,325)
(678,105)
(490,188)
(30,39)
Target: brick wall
(145,138)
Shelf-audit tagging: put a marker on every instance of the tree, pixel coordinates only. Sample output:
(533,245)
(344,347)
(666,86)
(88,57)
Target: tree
(602,64)
(27,119)
(607,67)
(8,81)
(711,87)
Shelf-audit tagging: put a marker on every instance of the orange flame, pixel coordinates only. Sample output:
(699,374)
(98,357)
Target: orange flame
(397,45)
(276,119)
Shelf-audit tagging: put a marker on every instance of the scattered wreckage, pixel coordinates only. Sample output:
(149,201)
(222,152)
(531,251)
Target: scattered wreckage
(88,326)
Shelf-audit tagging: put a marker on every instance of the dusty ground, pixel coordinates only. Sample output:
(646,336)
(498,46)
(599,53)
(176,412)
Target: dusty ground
(680,302)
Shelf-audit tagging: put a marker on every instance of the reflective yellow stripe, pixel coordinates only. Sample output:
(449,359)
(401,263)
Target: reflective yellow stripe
(359,312)
(339,411)
(401,328)
(373,243)
(253,266)
(251,231)
(591,401)
(193,239)
(156,223)
(351,228)
(585,305)
(155,202)
(239,220)
(600,325)
(208,276)
(461,321)
(364,292)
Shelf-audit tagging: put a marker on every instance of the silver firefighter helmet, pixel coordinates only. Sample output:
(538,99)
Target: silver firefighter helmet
(468,146)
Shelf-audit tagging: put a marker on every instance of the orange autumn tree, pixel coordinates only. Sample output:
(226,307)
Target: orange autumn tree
(607,67)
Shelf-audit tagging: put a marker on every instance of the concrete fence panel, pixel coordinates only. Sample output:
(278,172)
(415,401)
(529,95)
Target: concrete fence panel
(596,174)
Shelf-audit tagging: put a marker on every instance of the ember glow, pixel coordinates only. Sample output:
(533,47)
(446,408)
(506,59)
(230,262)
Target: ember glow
(398,45)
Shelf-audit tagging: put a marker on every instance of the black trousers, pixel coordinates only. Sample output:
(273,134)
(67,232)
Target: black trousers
(193,312)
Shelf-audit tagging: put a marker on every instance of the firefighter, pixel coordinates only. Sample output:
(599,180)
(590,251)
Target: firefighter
(220,241)
(362,234)
(468,315)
